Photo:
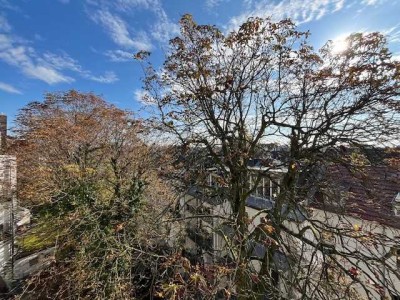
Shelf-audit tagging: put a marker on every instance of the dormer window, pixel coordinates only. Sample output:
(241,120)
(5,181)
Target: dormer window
(267,187)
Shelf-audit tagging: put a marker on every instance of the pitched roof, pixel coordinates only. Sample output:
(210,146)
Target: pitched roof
(367,192)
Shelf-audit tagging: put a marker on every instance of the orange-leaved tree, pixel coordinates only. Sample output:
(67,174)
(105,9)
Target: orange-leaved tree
(85,169)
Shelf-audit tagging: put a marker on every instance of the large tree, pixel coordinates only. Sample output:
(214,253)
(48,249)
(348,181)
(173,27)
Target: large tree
(223,97)
(92,184)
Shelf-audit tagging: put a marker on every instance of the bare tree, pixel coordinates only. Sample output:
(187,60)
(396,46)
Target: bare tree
(224,97)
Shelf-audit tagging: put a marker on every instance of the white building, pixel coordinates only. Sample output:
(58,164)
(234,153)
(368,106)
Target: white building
(350,215)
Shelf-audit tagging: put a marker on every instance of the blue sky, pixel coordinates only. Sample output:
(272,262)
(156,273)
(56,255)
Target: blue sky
(57,45)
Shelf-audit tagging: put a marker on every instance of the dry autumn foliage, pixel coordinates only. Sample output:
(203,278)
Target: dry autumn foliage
(223,97)
(86,170)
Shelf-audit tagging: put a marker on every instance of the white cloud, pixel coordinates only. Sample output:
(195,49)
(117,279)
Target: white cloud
(139,95)
(108,77)
(46,74)
(115,26)
(15,52)
(129,4)
(119,55)
(393,33)
(125,5)
(26,59)
(107,13)
(118,31)
(48,67)
(299,11)
(163,29)
(9,88)
(5,42)
(61,62)
(142,41)
(5,4)
(370,2)
(65,62)
(143,97)
(213,3)
(4,25)
(38,37)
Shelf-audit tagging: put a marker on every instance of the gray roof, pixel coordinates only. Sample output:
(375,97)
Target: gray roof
(294,214)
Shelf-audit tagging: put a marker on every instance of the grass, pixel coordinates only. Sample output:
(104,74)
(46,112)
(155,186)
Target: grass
(41,236)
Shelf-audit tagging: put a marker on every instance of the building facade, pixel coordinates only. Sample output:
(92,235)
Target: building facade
(350,223)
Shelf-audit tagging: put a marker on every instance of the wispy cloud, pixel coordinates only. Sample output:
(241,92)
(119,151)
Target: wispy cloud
(16,52)
(119,55)
(5,4)
(108,77)
(163,29)
(64,62)
(4,25)
(109,15)
(26,59)
(210,4)
(393,34)
(38,37)
(126,5)
(60,61)
(118,31)
(9,88)
(143,97)
(299,11)
(371,2)
(139,95)
(48,67)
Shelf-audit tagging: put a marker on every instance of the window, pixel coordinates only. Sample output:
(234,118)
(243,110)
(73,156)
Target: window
(266,188)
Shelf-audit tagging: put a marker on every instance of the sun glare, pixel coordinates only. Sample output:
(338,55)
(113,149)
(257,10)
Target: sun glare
(339,45)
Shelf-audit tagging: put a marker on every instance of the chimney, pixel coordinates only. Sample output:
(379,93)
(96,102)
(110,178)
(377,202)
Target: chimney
(3,133)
